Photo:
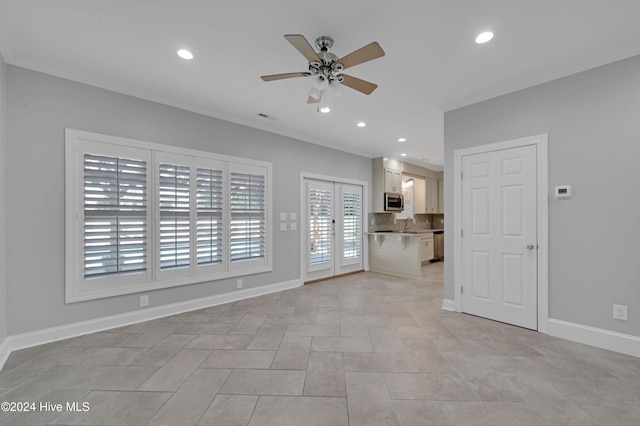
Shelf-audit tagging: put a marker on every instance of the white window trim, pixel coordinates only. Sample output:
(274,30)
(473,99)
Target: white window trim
(76,288)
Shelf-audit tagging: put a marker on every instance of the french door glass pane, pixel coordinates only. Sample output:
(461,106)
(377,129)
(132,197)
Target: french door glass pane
(320,226)
(351,225)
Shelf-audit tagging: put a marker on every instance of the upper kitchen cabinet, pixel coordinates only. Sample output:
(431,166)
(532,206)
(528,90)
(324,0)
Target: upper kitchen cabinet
(432,195)
(387,177)
(440,196)
(392,181)
(419,196)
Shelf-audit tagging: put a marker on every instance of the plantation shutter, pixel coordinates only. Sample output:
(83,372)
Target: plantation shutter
(173,202)
(320,226)
(209,202)
(115,215)
(352,219)
(141,216)
(247,211)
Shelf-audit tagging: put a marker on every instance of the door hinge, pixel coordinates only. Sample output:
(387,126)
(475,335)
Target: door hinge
(461,232)
(461,290)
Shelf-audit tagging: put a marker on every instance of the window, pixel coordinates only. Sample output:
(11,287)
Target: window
(247,216)
(115,216)
(143,216)
(209,203)
(174,204)
(351,225)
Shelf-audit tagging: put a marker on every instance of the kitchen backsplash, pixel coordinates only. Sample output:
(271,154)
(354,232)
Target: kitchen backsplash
(385,222)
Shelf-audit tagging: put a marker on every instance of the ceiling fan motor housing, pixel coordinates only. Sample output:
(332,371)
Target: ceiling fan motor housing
(328,69)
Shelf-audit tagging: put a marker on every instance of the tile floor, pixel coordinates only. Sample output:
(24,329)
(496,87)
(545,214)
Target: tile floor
(365,349)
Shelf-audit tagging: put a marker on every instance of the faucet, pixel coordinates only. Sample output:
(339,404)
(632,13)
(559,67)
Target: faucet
(406,224)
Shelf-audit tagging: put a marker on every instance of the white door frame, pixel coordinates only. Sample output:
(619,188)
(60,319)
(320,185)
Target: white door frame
(541,143)
(303,220)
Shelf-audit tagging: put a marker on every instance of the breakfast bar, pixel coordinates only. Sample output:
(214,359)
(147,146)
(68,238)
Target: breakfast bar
(395,253)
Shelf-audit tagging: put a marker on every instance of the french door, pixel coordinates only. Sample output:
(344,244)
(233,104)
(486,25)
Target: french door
(333,218)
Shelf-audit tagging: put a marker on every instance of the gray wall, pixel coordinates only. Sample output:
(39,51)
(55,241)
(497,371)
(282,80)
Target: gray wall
(3,200)
(593,122)
(41,106)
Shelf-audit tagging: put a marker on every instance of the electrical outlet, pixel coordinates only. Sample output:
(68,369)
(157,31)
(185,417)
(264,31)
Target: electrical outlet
(620,312)
(238,283)
(144,300)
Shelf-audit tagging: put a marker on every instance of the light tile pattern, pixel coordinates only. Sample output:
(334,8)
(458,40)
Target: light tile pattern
(365,349)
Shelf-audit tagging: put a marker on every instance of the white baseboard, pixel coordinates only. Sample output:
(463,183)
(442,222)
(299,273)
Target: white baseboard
(605,339)
(40,337)
(449,305)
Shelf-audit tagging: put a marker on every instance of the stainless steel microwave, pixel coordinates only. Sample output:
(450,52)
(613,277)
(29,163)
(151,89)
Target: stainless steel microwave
(393,202)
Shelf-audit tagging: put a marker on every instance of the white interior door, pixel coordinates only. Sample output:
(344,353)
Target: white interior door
(499,235)
(333,228)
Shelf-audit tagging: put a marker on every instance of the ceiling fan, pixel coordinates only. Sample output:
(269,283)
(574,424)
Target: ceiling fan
(326,68)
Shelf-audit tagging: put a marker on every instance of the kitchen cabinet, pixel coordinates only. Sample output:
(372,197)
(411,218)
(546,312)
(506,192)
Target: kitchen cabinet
(432,195)
(392,181)
(426,247)
(387,177)
(419,196)
(440,196)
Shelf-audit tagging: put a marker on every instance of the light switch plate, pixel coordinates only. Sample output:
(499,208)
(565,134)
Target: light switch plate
(283,226)
(293,226)
(293,216)
(283,216)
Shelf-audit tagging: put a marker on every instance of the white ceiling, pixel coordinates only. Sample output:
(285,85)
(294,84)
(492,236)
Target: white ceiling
(431,65)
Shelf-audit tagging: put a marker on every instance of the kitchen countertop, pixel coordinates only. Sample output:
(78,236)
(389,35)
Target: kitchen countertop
(416,232)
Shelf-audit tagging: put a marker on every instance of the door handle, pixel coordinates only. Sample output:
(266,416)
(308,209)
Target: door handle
(530,246)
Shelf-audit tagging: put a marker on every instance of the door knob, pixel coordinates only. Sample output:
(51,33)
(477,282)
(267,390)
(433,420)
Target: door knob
(530,246)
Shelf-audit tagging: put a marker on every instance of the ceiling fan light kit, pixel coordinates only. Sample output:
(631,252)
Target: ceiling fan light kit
(326,68)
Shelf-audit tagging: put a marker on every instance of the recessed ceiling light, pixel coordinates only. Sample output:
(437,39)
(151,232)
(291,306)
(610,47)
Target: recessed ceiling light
(361,124)
(402,140)
(403,155)
(185,54)
(484,37)
(325,109)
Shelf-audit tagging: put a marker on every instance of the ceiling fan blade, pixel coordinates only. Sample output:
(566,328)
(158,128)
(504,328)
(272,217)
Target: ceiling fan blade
(299,42)
(283,76)
(357,84)
(367,53)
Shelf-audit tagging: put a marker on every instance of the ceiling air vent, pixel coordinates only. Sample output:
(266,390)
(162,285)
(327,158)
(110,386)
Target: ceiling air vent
(265,116)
